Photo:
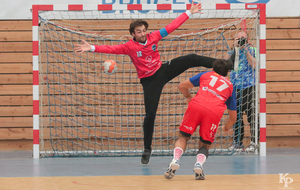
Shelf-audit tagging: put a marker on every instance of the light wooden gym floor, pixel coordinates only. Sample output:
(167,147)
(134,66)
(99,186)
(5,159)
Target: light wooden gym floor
(18,171)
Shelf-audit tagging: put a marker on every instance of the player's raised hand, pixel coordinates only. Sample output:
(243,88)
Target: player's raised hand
(196,8)
(82,48)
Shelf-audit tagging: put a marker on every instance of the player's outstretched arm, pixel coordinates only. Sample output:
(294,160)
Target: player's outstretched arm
(231,120)
(112,49)
(80,48)
(184,87)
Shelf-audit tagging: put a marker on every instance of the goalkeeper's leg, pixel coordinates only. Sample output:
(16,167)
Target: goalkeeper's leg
(180,64)
(152,87)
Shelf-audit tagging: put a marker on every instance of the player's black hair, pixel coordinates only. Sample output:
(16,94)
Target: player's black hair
(221,66)
(137,23)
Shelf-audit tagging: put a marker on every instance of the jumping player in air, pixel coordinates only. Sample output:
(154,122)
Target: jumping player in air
(153,74)
(205,109)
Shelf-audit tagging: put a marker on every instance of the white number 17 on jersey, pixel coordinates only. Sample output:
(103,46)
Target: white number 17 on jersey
(213,82)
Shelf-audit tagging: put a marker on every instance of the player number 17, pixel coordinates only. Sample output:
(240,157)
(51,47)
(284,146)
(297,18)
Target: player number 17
(214,80)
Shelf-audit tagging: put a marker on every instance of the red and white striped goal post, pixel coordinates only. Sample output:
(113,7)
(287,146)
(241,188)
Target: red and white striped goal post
(109,7)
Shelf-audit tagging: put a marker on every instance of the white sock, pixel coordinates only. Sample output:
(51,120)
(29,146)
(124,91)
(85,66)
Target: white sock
(201,158)
(177,153)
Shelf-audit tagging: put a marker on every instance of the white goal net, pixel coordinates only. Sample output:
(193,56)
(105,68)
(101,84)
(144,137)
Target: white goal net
(85,112)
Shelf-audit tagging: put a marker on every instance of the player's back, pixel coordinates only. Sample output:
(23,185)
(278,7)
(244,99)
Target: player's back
(214,91)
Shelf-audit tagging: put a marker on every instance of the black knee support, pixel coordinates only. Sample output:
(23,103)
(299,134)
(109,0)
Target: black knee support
(204,151)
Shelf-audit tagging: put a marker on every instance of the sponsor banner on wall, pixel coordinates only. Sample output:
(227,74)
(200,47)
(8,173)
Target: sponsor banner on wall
(20,9)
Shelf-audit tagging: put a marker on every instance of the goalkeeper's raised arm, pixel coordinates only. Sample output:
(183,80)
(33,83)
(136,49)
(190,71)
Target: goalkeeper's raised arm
(80,48)
(138,29)
(176,23)
(112,49)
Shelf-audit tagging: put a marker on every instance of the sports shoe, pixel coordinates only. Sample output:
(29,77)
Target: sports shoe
(237,146)
(173,166)
(234,59)
(146,156)
(251,147)
(198,169)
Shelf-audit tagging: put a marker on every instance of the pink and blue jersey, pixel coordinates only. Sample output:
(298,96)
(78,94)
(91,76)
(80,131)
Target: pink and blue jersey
(215,93)
(145,57)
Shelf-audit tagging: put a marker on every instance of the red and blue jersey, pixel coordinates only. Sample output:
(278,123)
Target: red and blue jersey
(145,56)
(215,92)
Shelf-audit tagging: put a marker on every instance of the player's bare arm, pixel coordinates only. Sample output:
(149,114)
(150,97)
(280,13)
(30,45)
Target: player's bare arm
(231,120)
(80,48)
(251,60)
(184,88)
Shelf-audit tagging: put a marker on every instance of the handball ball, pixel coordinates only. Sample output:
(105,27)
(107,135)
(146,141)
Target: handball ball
(110,67)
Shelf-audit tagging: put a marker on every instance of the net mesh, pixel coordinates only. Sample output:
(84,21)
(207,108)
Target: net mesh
(85,112)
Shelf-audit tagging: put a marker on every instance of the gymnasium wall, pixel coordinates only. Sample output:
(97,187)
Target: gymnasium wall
(283,81)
